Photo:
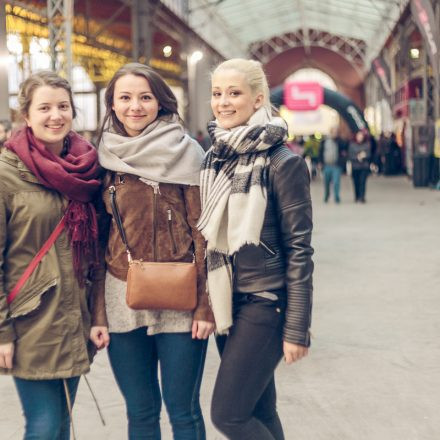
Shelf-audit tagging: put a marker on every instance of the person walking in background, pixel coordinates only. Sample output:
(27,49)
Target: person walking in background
(395,155)
(359,154)
(257,220)
(48,173)
(380,153)
(392,155)
(154,168)
(332,157)
(5,131)
(203,140)
(311,153)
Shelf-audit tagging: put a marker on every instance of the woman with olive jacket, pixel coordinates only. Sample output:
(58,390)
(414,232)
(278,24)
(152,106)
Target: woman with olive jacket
(48,173)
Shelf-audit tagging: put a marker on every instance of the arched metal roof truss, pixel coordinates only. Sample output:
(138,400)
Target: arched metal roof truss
(349,48)
(274,24)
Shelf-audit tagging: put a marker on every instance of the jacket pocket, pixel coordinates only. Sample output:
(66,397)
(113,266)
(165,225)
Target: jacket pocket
(170,230)
(249,263)
(27,302)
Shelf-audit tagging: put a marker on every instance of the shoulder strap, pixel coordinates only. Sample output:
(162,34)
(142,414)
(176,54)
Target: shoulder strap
(36,260)
(118,220)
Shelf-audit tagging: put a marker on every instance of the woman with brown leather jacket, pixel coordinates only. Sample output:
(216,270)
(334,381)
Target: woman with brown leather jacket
(48,172)
(257,219)
(154,168)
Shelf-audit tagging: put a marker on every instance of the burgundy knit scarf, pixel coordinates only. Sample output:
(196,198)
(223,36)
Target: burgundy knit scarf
(76,176)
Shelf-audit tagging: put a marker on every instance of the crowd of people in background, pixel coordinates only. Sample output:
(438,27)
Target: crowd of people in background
(331,156)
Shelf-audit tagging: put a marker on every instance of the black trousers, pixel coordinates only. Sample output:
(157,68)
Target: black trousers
(360,184)
(244,397)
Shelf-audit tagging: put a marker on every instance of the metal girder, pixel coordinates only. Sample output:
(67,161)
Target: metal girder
(108,22)
(305,29)
(4,92)
(60,22)
(350,49)
(142,24)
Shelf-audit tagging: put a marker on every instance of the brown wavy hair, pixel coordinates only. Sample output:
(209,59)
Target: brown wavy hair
(39,79)
(161,91)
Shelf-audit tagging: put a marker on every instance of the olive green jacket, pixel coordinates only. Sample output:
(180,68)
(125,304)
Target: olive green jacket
(49,320)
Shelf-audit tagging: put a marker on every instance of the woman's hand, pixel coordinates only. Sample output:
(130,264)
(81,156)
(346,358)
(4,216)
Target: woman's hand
(294,352)
(99,336)
(6,355)
(202,329)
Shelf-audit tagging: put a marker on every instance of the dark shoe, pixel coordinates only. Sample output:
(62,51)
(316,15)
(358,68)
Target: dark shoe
(363,200)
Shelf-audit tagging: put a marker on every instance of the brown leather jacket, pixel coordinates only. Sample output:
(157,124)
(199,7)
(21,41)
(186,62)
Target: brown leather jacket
(160,225)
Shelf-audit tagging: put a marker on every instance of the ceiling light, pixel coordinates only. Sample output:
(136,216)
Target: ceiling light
(414,53)
(196,56)
(167,51)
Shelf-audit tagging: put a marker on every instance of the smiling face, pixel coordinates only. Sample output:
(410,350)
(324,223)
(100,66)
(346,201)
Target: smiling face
(50,116)
(134,104)
(232,100)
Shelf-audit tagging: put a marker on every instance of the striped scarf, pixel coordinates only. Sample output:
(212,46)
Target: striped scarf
(233,185)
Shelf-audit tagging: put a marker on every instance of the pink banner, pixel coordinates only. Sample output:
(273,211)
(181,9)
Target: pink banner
(303,96)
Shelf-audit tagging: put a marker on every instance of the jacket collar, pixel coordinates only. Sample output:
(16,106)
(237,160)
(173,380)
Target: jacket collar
(11,158)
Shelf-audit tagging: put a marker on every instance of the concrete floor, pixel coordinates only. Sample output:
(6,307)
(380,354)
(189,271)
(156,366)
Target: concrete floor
(374,369)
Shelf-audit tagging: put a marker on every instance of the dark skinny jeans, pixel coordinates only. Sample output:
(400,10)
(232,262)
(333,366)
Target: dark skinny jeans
(360,183)
(244,397)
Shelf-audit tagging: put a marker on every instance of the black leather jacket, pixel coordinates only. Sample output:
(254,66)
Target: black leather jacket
(283,260)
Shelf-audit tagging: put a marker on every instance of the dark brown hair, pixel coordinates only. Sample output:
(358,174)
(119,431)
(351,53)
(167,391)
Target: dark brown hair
(161,91)
(39,79)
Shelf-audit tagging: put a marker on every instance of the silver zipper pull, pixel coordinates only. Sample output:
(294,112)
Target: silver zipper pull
(169,214)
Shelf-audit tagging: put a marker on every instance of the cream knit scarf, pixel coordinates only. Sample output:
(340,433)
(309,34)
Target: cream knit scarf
(161,153)
(233,186)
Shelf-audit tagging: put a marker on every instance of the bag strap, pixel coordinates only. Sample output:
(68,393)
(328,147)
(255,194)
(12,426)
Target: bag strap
(118,220)
(36,260)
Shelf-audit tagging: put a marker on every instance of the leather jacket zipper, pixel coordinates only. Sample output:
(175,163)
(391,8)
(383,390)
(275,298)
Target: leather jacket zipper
(267,248)
(155,192)
(170,230)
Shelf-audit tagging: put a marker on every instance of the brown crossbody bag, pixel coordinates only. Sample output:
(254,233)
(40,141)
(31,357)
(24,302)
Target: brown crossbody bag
(156,285)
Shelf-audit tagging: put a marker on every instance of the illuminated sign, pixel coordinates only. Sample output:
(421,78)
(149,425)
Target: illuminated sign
(303,96)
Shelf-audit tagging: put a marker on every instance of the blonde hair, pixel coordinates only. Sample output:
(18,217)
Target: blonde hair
(254,75)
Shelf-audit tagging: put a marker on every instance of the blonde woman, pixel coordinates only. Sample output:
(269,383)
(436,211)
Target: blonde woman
(257,220)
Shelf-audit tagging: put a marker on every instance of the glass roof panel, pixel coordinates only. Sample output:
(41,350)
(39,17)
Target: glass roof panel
(249,21)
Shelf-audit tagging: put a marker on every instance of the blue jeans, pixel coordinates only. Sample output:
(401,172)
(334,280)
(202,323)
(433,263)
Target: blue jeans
(134,358)
(332,173)
(45,407)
